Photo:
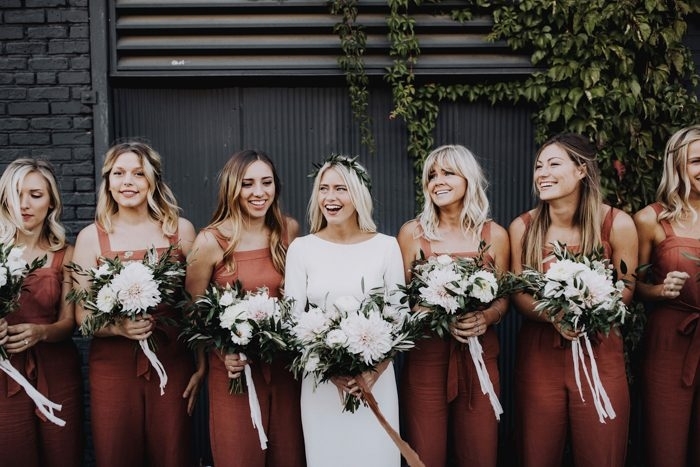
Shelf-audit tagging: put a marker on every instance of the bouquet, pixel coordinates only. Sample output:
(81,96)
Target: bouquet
(450,287)
(13,271)
(580,293)
(232,321)
(350,337)
(126,290)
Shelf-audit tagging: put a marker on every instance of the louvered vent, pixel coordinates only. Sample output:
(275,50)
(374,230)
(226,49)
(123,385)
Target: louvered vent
(287,37)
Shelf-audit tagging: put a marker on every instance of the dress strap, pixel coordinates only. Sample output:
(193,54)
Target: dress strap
(174,239)
(526,218)
(606,228)
(486,232)
(665,224)
(220,239)
(103,238)
(57,260)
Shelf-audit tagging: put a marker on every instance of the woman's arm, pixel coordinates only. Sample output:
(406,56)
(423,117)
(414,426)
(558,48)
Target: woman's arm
(409,246)
(625,249)
(524,302)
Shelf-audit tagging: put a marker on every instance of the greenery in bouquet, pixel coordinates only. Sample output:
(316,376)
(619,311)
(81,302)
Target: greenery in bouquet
(128,289)
(13,271)
(580,291)
(350,337)
(231,320)
(450,286)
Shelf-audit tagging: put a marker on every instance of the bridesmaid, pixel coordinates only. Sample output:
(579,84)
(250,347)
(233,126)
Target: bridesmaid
(668,232)
(548,405)
(132,423)
(441,400)
(247,240)
(38,335)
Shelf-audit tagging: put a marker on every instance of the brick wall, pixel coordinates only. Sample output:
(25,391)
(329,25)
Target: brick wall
(44,87)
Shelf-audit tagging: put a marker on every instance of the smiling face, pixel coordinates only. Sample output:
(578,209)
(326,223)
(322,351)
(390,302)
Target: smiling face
(446,187)
(35,201)
(334,199)
(257,190)
(556,175)
(128,183)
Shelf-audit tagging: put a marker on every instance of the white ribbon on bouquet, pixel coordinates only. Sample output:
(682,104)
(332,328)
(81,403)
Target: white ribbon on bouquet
(254,403)
(601,401)
(45,406)
(477,352)
(160,369)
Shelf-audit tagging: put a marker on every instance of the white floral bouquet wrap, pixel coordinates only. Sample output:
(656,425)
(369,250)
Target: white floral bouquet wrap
(248,323)
(450,287)
(13,271)
(581,293)
(126,290)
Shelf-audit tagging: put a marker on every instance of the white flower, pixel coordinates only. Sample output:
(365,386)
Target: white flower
(15,263)
(484,286)
(136,288)
(369,337)
(336,337)
(395,314)
(103,270)
(232,315)
(310,324)
(260,307)
(599,286)
(564,270)
(242,334)
(226,299)
(444,260)
(311,363)
(106,299)
(436,292)
(3,275)
(346,304)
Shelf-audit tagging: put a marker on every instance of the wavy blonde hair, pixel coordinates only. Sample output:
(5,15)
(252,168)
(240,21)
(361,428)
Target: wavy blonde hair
(11,184)
(588,212)
(475,207)
(674,190)
(162,206)
(359,195)
(228,207)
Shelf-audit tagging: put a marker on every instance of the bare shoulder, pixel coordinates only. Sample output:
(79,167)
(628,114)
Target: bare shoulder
(185,229)
(646,218)
(622,221)
(292,227)
(517,226)
(87,237)
(498,232)
(410,231)
(68,256)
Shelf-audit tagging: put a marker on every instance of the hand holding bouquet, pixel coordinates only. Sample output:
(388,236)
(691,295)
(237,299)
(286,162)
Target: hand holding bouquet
(580,294)
(13,271)
(232,321)
(130,290)
(450,287)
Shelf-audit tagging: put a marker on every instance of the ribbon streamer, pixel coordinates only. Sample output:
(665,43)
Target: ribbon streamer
(160,369)
(255,413)
(601,401)
(45,406)
(477,352)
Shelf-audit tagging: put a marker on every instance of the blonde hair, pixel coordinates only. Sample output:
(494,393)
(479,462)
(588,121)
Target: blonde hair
(674,189)
(228,207)
(475,207)
(588,212)
(11,221)
(357,188)
(162,206)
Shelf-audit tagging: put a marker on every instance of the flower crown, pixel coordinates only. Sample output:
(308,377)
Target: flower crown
(349,163)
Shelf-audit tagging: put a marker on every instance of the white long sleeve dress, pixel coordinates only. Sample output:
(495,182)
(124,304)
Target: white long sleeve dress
(318,272)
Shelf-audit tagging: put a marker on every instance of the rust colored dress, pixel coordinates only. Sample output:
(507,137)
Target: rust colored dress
(441,399)
(671,359)
(132,424)
(26,438)
(548,404)
(234,441)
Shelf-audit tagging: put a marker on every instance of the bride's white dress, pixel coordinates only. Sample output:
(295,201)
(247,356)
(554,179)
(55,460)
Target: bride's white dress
(318,272)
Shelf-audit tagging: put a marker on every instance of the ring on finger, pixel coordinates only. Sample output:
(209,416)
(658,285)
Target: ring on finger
(26,341)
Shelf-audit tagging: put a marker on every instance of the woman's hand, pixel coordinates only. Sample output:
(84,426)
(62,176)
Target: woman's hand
(673,283)
(343,384)
(192,389)
(234,365)
(568,334)
(369,378)
(3,331)
(23,336)
(137,329)
(469,325)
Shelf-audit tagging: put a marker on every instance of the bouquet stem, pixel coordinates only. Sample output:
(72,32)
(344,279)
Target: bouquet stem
(477,352)
(45,406)
(406,451)
(157,365)
(237,385)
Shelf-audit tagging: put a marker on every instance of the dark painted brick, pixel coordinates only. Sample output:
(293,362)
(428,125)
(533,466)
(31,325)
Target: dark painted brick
(7,78)
(52,123)
(71,138)
(79,32)
(25,48)
(80,63)
(84,184)
(46,77)
(83,154)
(25,78)
(78,199)
(65,184)
(78,3)
(10,154)
(29,139)
(54,63)
(61,108)
(72,46)
(13,93)
(44,3)
(24,16)
(3,108)
(28,108)
(74,77)
(82,122)
(10,3)
(66,15)
(14,124)
(46,32)
(11,32)
(85,168)
(14,63)
(59,92)
(3,139)
(53,154)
